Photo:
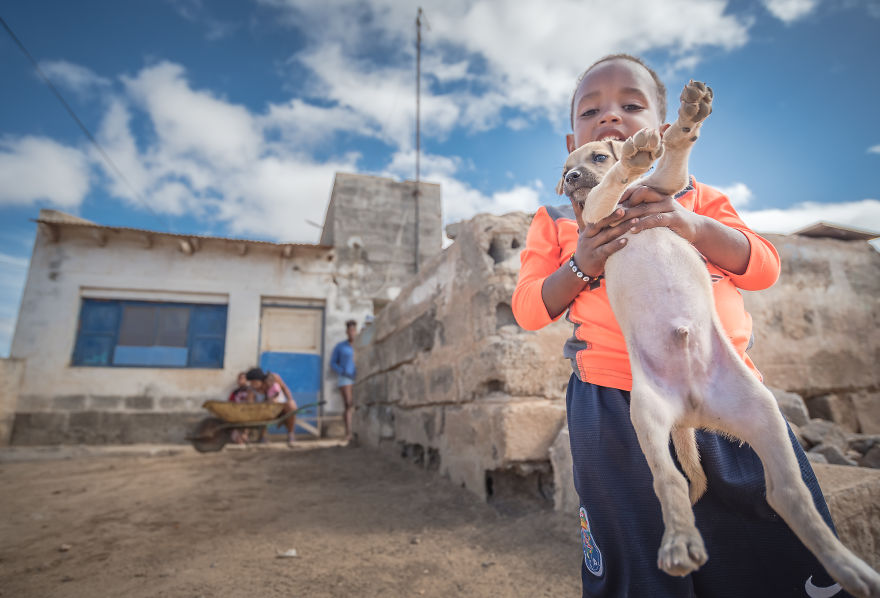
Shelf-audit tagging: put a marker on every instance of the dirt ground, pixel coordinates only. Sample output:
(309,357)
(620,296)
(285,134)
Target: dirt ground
(363,524)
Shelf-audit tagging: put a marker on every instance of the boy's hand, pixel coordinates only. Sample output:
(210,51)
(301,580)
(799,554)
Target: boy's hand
(596,242)
(653,209)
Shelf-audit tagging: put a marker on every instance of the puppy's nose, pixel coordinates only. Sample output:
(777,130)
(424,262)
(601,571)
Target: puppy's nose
(572,176)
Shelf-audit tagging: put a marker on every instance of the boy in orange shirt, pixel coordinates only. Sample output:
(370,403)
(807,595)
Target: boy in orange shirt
(752,552)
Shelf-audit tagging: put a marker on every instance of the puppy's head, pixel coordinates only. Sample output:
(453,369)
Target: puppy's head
(584,169)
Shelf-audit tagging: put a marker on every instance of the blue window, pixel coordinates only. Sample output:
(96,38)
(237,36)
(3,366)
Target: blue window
(142,334)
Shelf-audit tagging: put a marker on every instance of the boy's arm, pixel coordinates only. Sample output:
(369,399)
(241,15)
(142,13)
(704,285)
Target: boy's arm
(714,228)
(545,289)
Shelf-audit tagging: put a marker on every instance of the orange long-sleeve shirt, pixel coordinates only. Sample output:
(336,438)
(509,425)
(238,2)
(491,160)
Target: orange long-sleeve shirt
(597,349)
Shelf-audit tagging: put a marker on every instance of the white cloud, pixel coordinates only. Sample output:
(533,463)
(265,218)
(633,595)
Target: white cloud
(790,10)
(738,193)
(482,57)
(194,123)
(76,77)
(864,215)
(874,149)
(219,161)
(37,168)
(460,200)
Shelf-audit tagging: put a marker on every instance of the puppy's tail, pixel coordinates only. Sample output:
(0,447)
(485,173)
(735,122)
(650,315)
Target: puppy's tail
(685,442)
(684,439)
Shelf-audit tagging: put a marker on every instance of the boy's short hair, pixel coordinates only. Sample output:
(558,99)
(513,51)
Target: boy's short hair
(350,323)
(661,89)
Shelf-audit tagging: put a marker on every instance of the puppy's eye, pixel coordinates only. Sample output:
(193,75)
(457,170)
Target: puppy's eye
(599,157)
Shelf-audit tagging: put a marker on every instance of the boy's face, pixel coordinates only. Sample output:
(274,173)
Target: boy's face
(615,99)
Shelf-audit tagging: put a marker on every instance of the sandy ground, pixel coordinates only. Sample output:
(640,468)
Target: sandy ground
(363,524)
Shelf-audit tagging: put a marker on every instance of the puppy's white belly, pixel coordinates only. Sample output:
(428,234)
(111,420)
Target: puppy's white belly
(657,286)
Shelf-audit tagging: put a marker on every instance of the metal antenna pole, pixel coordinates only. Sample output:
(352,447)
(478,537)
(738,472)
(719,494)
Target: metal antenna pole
(418,123)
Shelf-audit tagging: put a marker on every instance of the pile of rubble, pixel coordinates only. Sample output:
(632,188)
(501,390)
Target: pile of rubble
(826,430)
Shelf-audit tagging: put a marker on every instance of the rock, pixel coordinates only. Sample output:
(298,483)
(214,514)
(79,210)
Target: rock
(819,431)
(862,443)
(792,406)
(871,458)
(836,408)
(833,454)
(852,495)
(816,458)
(867,406)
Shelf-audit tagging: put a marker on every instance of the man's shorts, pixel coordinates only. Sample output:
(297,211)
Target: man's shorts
(752,552)
(344,381)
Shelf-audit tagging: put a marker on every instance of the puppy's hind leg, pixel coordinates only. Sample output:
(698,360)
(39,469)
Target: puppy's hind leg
(754,417)
(653,416)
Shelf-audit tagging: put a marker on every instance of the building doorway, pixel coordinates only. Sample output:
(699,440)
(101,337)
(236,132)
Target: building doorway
(292,346)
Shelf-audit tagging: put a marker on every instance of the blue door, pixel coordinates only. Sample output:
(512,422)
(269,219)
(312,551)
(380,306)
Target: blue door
(291,345)
(302,374)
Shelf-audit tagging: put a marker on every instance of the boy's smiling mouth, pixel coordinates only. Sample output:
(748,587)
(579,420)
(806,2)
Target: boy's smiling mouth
(610,134)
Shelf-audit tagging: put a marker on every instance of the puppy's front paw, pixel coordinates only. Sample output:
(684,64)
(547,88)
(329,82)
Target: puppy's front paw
(696,105)
(640,151)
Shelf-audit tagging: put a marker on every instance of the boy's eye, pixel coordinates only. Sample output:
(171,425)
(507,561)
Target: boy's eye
(599,157)
(632,107)
(590,112)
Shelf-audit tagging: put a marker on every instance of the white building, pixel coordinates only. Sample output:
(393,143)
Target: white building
(123,333)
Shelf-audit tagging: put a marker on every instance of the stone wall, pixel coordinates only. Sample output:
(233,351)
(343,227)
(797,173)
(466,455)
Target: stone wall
(816,329)
(11,371)
(447,378)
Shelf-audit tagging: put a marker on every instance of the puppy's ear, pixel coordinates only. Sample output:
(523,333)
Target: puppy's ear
(560,186)
(614,146)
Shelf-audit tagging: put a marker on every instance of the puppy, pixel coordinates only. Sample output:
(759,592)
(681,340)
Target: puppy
(685,372)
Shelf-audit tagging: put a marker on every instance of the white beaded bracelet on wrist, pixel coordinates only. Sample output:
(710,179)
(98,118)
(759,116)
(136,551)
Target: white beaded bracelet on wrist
(577,271)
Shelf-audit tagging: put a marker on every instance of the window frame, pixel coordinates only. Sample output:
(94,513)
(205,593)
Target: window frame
(193,336)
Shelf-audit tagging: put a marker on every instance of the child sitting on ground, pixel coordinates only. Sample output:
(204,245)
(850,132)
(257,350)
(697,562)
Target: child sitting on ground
(752,552)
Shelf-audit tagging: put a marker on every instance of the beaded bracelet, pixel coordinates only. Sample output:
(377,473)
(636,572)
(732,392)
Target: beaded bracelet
(577,271)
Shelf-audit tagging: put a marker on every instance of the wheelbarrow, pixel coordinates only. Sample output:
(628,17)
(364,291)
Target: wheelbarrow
(212,433)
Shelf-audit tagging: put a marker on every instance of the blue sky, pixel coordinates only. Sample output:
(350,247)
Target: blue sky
(231,117)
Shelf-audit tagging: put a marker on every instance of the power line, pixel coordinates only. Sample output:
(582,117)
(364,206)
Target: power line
(76,119)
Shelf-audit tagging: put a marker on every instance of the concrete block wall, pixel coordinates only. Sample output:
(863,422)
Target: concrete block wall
(816,329)
(11,372)
(447,378)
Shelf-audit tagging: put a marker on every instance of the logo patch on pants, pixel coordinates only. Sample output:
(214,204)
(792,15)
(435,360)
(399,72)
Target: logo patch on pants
(592,556)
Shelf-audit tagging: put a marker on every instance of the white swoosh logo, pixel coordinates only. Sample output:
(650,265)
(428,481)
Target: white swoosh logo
(817,592)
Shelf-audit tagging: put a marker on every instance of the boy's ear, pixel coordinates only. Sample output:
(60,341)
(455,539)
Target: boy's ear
(569,143)
(663,129)
(560,185)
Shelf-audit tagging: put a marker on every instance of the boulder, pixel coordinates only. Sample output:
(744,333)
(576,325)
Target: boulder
(819,431)
(853,496)
(871,458)
(792,406)
(838,408)
(833,454)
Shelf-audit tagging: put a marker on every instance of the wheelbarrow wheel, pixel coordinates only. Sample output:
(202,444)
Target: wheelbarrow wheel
(210,436)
